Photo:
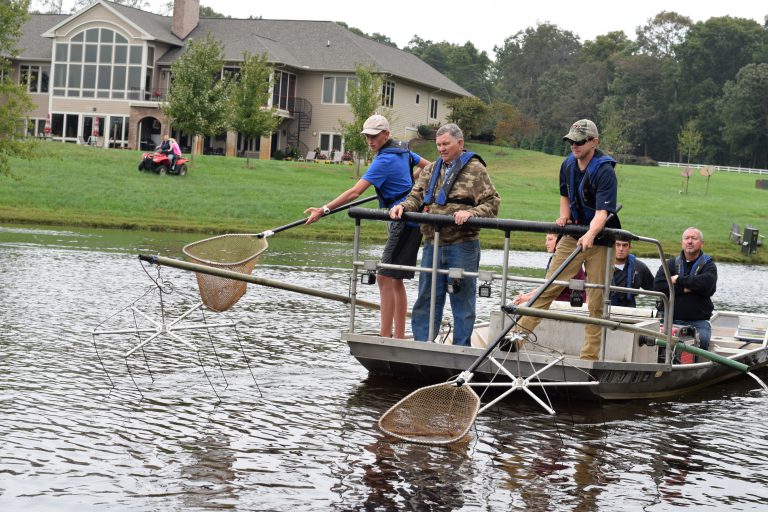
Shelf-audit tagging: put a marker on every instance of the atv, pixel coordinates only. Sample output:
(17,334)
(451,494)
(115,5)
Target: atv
(160,163)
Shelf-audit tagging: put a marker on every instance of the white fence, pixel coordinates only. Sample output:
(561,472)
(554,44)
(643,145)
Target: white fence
(720,168)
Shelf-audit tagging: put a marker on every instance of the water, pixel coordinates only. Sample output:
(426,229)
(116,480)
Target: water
(294,427)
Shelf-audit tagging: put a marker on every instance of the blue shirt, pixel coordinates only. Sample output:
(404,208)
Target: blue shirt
(390,173)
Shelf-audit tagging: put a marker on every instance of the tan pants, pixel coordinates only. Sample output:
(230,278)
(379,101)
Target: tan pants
(594,265)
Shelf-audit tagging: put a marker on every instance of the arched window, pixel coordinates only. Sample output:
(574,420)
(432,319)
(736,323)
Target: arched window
(97,63)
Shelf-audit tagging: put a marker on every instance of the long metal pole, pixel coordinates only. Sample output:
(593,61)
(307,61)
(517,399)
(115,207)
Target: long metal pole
(218,272)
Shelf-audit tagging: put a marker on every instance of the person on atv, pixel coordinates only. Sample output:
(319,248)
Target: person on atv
(175,153)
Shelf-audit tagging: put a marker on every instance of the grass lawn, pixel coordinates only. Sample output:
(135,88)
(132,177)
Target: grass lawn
(85,186)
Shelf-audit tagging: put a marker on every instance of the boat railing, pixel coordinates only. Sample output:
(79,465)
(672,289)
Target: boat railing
(507,226)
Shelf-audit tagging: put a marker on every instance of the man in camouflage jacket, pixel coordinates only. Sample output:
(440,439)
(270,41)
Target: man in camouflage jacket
(456,184)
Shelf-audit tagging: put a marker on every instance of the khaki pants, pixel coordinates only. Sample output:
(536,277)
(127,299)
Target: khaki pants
(594,265)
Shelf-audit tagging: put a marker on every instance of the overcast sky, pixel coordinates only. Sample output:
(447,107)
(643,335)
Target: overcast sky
(487,23)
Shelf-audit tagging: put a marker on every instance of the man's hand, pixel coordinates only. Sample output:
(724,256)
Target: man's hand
(562,221)
(461,216)
(586,241)
(396,211)
(314,214)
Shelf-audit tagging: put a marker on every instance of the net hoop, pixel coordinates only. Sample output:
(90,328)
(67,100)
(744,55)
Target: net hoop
(438,415)
(233,252)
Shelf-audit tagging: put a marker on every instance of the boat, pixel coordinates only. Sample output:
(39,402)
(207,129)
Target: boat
(633,364)
(641,358)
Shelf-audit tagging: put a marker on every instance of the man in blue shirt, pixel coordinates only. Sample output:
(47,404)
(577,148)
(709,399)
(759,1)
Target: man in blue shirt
(390,174)
(588,190)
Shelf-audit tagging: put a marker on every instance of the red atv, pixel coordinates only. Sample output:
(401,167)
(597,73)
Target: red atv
(160,163)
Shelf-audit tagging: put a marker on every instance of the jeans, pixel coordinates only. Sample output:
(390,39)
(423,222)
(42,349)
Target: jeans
(703,327)
(464,255)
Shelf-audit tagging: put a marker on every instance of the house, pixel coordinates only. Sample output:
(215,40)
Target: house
(101,75)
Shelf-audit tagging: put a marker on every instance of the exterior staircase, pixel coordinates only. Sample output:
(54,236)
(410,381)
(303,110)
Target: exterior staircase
(301,109)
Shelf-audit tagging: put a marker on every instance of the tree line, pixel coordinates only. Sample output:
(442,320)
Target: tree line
(681,91)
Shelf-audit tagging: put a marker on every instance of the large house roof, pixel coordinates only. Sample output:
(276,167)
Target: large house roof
(320,46)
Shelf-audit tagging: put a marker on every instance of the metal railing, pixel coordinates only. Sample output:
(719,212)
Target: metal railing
(506,226)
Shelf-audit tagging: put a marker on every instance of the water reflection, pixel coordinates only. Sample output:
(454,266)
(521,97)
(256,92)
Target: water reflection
(296,430)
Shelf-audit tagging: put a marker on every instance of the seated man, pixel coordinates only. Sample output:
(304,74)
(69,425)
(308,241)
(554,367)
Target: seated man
(694,281)
(628,272)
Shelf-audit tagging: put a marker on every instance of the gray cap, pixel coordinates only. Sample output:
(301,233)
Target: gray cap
(375,124)
(581,130)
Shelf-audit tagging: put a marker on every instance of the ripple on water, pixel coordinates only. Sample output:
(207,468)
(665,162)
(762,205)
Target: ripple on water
(303,435)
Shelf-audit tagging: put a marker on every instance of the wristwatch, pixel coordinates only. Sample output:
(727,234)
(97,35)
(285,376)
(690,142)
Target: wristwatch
(326,210)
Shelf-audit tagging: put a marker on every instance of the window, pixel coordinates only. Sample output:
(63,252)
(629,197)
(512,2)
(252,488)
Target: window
(97,62)
(335,89)
(388,94)
(433,108)
(284,91)
(35,78)
(330,142)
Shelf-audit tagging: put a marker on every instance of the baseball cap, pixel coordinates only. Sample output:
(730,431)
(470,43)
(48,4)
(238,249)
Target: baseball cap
(375,124)
(581,130)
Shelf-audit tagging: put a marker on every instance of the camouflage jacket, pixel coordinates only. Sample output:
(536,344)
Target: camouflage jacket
(473,185)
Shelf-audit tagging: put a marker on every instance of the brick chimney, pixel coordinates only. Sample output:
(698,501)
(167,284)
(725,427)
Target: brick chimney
(186,14)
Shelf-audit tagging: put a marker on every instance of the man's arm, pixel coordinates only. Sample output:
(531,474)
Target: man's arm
(644,276)
(342,199)
(704,283)
(660,282)
(597,224)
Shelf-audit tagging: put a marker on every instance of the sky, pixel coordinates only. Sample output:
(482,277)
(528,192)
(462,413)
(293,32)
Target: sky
(487,23)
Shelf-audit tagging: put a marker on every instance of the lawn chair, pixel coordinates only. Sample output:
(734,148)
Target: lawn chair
(735,235)
(337,157)
(309,158)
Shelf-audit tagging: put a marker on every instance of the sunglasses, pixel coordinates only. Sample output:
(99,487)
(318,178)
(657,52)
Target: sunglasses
(581,142)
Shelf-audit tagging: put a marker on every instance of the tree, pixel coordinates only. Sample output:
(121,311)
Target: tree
(525,57)
(198,99)
(689,140)
(248,97)
(463,64)
(662,34)
(744,114)
(15,100)
(468,113)
(364,96)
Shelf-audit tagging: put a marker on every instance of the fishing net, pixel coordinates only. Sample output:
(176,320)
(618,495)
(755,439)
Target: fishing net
(237,253)
(437,415)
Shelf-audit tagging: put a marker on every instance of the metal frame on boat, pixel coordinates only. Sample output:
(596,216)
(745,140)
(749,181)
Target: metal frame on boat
(629,366)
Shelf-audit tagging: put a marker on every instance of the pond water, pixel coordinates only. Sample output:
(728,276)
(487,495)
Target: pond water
(274,414)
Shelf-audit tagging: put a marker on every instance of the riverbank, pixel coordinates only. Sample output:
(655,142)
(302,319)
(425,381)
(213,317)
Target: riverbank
(73,185)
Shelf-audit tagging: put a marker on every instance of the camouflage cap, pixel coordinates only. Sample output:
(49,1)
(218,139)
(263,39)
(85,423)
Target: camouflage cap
(581,130)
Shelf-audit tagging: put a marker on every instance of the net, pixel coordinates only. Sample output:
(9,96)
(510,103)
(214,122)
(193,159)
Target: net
(237,253)
(437,415)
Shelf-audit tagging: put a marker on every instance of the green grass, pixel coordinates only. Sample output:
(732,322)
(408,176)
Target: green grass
(84,186)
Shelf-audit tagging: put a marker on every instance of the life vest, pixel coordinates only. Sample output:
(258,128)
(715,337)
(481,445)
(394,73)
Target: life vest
(582,195)
(451,175)
(630,278)
(396,147)
(698,264)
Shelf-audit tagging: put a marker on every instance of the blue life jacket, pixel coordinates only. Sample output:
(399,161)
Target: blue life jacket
(450,179)
(583,204)
(396,148)
(698,264)
(630,278)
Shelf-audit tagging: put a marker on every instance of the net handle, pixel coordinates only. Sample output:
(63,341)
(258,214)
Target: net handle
(300,222)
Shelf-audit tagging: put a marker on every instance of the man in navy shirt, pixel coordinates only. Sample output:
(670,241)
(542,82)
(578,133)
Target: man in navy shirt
(588,190)
(628,272)
(390,174)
